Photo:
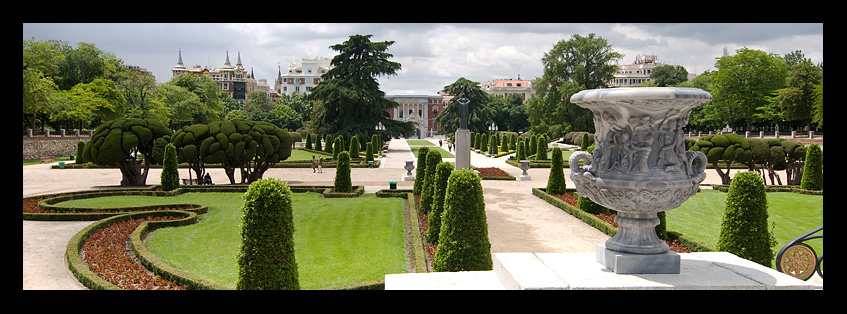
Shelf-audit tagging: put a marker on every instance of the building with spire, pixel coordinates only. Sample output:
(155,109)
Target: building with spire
(236,81)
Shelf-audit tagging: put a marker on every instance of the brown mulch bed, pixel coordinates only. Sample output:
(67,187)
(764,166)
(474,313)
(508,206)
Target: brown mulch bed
(571,199)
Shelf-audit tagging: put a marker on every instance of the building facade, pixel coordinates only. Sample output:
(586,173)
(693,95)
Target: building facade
(302,76)
(635,74)
(417,106)
(505,87)
(236,81)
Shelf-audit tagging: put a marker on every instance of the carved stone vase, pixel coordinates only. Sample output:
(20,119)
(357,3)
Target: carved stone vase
(639,167)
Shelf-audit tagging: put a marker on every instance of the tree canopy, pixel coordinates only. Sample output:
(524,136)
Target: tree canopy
(348,100)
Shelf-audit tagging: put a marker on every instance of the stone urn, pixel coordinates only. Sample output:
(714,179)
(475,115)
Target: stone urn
(639,166)
(410,165)
(525,166)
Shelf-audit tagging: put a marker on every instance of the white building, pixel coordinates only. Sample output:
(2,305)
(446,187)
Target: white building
(635,74)
(302,76)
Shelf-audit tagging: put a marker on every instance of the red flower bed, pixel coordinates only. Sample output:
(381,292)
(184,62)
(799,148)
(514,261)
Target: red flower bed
(106,254)
(491,172)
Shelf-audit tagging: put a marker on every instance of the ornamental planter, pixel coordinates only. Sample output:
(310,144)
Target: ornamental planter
(639,168)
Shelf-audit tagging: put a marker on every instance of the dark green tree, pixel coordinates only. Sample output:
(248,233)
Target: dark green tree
(349,100)
(668,75)
(266,260)
(480,111)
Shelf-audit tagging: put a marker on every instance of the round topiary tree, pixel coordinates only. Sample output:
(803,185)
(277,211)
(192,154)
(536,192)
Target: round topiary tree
(556,184)
(432,160)
(120,142)
(744,229)
(170,169)
(266,259)
(343,182)
(813,169)
(420,171)
(463,242)
(442,174)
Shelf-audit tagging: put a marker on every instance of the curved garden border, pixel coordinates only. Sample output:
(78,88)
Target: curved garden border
(105,217)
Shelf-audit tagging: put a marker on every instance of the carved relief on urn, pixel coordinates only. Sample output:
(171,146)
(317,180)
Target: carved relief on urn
(639,166)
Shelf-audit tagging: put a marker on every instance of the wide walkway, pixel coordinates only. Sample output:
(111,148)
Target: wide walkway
(517,220)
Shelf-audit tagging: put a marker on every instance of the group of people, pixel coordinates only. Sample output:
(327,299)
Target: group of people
(317,164)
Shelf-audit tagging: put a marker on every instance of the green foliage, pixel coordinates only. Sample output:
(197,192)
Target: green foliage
(369,151)
(541,150)
(355,147)
(120,141)
(513,142)
(80,147)
(343,182)
(420,171)
(308,141)
(533,145)
(492,144)
(463,243)
(813,169)
(744,229)
(556,184)
(427,190)
(521,153)
(337,147)
(589,206)
(317,142)
(584,144)
(328,142)
(170,169)
(266,259)
(442,174)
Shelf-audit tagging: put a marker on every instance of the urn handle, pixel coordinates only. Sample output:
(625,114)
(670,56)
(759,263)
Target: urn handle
(573,162)
(698,161)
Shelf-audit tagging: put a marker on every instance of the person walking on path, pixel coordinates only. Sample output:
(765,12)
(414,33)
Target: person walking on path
(314,163)
(320,164)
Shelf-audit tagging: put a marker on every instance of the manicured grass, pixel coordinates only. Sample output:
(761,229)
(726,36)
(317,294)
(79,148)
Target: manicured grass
(338,241)
(444,153)
(793,215)
(297,154)
(419,143)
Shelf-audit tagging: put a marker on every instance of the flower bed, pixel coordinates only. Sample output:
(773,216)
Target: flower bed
(493,173)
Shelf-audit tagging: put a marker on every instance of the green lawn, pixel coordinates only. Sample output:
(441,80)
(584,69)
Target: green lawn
(793,214)
(338,241)
(444,153)
(297,154)
(419,143)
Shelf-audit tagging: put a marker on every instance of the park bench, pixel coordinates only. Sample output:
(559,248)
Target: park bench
(45,159)
(798,259)
(207,180)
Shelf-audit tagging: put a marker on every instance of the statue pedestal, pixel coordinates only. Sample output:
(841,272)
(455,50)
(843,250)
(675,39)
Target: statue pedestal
(463,149)
(629,263)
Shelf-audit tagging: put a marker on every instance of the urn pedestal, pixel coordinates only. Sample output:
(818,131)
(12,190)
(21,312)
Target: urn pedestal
(639,167)
(409,176)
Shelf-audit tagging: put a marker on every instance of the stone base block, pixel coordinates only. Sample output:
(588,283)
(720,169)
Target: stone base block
(627,263)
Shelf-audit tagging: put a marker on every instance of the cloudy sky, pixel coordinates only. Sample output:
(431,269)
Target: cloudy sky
(432,55)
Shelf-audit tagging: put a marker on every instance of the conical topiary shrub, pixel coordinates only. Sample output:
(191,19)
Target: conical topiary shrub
(266,258)
(420,171)
(744,229)
(343,182)
(556,184)
(170,169)
(432,160)
(813,169)
(463,243)
(442,174)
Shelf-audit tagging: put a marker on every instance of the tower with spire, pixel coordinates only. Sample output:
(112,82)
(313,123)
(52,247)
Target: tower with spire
(236,81)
